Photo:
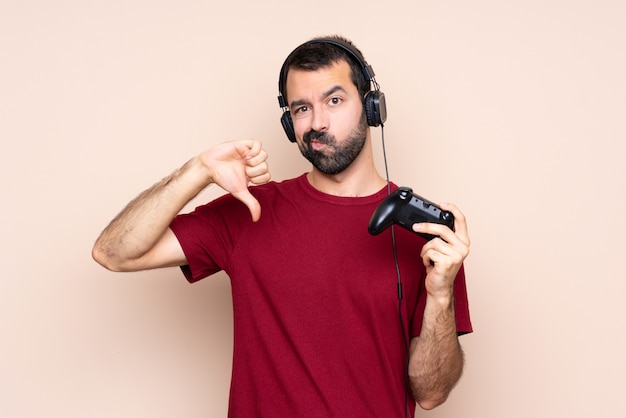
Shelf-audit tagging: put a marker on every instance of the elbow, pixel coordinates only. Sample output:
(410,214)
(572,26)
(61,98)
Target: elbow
(431,398)
(119,262)
(101,257)
(430,394)
(431,402)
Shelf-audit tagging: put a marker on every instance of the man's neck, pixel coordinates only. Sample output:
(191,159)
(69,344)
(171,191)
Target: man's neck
(352,182)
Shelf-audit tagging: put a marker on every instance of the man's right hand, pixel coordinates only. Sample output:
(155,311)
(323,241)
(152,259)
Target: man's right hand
(139,238)
(233,165)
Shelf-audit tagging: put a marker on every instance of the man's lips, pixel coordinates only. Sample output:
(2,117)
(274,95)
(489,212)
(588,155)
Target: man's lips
(316,145)
(317,140)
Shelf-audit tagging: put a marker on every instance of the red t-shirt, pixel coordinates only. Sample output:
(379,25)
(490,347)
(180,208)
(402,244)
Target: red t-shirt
(316,321)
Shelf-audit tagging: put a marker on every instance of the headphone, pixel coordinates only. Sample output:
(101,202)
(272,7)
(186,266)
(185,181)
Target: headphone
(374,102)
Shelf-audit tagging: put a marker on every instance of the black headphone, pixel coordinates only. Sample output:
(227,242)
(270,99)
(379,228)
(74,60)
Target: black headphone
(373,103)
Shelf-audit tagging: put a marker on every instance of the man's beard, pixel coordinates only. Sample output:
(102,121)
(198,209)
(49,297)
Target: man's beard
(334,158)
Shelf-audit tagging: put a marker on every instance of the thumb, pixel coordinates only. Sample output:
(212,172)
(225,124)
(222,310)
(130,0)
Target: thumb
(250,201)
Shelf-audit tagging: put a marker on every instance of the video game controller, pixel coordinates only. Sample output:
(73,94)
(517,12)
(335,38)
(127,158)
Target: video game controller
(405,208)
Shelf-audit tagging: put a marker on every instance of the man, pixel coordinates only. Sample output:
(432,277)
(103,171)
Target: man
(320,329)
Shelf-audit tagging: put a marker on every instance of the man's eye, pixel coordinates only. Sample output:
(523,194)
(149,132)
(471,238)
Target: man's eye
(334,100)
(300,109)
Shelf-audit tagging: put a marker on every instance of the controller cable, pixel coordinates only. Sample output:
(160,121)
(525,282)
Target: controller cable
(399,284)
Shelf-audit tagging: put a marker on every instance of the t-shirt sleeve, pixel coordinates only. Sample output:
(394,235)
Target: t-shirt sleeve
(206,237)
(199,263)
(461,304)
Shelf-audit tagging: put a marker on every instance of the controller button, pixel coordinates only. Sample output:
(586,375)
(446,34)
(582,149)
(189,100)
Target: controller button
(404,192)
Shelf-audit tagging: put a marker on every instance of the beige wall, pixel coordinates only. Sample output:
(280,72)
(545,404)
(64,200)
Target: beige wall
(513,110)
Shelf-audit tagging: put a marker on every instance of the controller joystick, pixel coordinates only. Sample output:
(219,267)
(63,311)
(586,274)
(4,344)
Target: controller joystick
(404,208)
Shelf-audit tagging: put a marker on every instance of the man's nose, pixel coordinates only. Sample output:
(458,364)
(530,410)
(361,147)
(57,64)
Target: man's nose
(320,120)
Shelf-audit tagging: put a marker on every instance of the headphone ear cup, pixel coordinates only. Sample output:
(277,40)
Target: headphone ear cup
(375,108)
(287,123)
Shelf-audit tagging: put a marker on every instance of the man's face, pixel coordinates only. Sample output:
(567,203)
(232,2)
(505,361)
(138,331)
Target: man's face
(328,117)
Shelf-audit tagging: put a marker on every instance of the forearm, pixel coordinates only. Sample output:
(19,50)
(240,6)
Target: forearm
(140,225)
(436,362)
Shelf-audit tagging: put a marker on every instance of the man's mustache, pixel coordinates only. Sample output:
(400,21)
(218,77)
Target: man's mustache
(318,136)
